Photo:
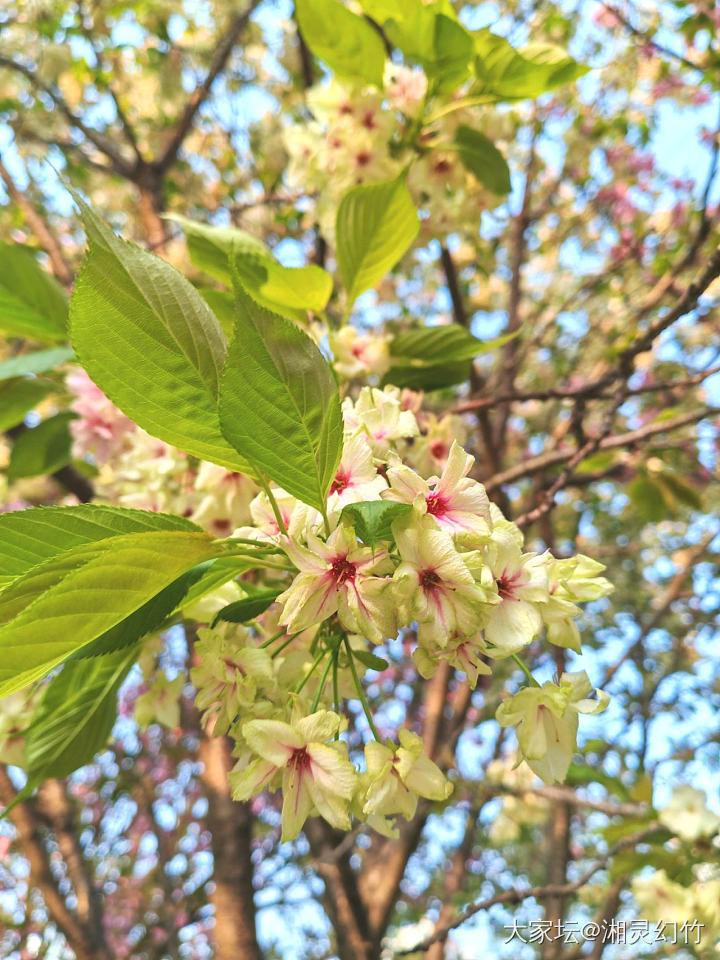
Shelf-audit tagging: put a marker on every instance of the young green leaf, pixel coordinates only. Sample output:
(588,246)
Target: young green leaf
(76,714)
(376,223)
(372,519)
(18,397)
(370,661)
(290,291)
(42,449)
(509,74)
(348,44)
(64,604)
(39,362)
(248,607)
(214,574)
(483,159)
(431,358)
(151,616)
(279,404)
(151,343)
(30,537)
(32,303)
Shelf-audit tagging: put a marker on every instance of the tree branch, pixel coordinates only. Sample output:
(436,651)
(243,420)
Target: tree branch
(200,94)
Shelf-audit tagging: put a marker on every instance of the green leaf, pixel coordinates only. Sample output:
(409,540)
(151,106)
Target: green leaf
(369,660)
(249,607)
(505,73)
(376,223)
(38,362)
(32,303)
(431,358)
(483,159)
(43,449)
(222,304)
(75,717)
(151,343)
(288,290)
(64,604)
(676,490)
(18,397)
(149,618)
(429,34)
(372,519)
(647,499)
(279,404)
(348,44)
(214,574)
(30,537)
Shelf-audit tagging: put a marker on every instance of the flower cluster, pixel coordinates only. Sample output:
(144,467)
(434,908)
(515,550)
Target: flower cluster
(430,557)
(408,544)
(360,134)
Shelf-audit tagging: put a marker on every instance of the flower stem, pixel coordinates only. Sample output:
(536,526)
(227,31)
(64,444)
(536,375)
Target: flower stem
(336,692)
(360,692)
(272,639)
(312,670)
(283,645)
(525,670)
(323,679)
(264,484)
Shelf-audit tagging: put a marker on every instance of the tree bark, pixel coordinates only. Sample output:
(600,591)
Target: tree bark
(230,824)
(28,825)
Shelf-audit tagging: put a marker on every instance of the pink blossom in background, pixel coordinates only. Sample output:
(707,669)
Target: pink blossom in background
(100,428)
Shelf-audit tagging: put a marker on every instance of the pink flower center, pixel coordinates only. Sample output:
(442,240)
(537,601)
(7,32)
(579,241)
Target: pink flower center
(343,570)
(340,483)
(436,504)
(363,158)
(439,450)
(300,760)
(429,579)
(507,584)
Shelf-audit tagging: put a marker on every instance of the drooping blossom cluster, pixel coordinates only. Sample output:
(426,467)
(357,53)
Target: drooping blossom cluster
(361,134)
(444,569)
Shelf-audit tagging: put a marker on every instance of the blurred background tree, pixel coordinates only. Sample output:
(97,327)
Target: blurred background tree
(595,429)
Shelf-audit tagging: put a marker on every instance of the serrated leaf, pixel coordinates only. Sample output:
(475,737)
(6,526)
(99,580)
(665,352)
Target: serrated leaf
(373,519)
(482,158)
(32,363)
(509,74)
(431,358)
(428,34)
(65,603)
(30,537)
(370,661)
(32,303)
(18,397)
(215,574)
(288,290)
(75,716)
(248,607)
(42,449)
(279,404)
(376,223)
(149,618)
(348,44)
(151,343)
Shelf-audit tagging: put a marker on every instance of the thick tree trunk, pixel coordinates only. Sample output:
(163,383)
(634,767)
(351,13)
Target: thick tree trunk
(231,826)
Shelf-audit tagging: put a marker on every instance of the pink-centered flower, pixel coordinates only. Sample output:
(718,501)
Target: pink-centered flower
(356,478)
(522,586)
(458,504)
(339,577)
(438,588)
(315,774)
